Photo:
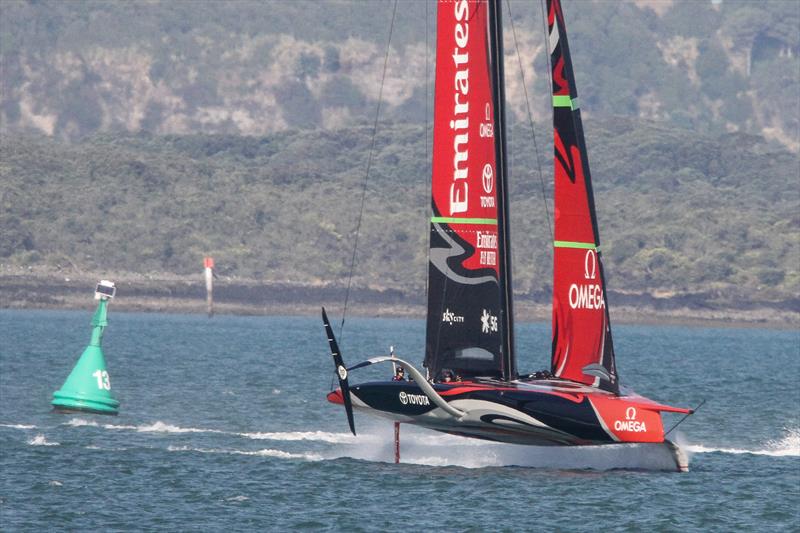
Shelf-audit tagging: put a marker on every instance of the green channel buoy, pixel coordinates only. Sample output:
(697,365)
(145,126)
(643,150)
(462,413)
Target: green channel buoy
(88,387)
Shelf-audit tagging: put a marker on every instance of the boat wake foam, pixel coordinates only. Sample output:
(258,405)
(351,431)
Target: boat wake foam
(788,446)
(313,436)
(163,427)
(156,427)
(432,449)
(41,440)
(17,426)
(422,448)
(261,453)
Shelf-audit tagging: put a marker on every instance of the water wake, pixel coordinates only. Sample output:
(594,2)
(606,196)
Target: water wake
(262,453)
(17,426)
(40,440)
(423,448)
(788,446)
(156,427)
(289,436)
(313,436)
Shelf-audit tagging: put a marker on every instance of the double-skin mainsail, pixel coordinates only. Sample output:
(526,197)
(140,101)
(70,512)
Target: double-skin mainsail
(469,327)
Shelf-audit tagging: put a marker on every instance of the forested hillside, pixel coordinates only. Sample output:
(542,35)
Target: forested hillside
(72,69)
(137,137)
(680,213)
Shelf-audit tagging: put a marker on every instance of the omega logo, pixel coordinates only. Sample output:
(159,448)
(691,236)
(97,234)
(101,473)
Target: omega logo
(590,261)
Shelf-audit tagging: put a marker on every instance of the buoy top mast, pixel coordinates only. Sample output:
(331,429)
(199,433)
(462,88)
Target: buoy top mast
(105,290)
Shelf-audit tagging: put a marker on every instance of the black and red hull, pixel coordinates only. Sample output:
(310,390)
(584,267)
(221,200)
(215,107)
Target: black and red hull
(536,412)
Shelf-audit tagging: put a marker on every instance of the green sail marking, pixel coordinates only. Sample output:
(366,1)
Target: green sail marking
(455,220)
(560,100)
(571,244)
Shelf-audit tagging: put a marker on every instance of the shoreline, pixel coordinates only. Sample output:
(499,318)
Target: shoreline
(250,298)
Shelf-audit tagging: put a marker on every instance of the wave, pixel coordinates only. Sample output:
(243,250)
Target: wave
(80,422)
(262,453)
(17,426)
(155,427)
(788,446)
(40,440)
(293,436)
(163,427)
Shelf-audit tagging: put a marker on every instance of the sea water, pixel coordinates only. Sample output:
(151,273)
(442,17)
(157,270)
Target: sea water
(224,425)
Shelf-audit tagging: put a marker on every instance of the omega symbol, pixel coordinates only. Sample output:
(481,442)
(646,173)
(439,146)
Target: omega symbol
(590,264)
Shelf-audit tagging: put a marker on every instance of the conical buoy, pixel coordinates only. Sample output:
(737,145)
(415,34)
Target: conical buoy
(88,387)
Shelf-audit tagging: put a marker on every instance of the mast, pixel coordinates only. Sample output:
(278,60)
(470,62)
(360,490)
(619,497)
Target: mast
(503,230)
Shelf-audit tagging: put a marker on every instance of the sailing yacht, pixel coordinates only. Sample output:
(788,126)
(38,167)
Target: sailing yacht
(471,386)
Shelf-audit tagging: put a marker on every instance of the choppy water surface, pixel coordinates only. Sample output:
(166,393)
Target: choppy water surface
(224,425)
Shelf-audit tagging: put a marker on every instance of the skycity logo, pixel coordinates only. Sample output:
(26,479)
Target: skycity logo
(450,318)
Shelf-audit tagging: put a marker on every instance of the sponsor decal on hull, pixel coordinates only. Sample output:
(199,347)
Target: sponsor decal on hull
(626,422)
(630,423)
(413,399)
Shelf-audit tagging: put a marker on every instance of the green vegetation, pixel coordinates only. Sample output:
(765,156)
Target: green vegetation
(176,129)
(679,212)
(74,69)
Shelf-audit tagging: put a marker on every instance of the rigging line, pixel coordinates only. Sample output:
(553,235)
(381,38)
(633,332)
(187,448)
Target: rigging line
(685,417)
(547,46)
(366,175)
(428,209)
(429,188)
(530,118)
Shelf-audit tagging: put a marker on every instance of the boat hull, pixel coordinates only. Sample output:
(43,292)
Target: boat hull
(538,412)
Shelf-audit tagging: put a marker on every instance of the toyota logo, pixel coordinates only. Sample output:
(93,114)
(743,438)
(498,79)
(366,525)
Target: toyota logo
(488,178)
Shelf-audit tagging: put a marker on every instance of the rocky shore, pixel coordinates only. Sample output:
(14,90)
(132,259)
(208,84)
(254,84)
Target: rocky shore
(174,294)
